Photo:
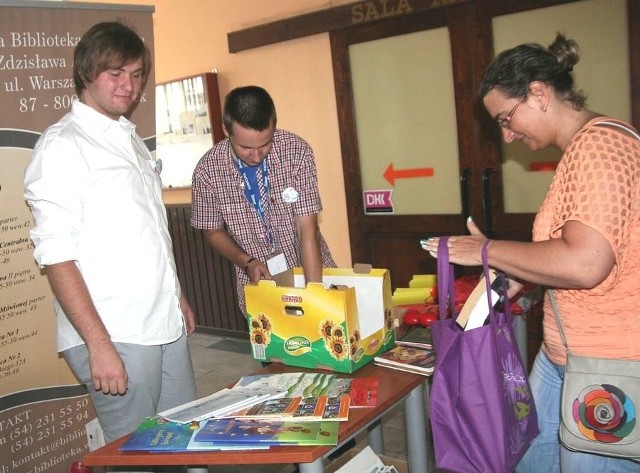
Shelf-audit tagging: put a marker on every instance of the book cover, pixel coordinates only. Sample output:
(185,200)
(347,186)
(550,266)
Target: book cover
(156,434)
(337,408)
(405,368)
(412,359)
(328,434)
(339,386)
(293,384)
(282,381)
(419,337)
(311,385)
(252,431)
(311,408)
(282,408)
(364,392)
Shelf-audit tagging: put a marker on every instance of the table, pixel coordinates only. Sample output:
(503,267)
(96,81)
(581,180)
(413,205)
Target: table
(395,387)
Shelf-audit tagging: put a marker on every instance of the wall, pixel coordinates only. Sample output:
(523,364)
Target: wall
(191,37)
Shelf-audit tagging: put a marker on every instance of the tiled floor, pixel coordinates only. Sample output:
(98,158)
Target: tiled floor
(220,361)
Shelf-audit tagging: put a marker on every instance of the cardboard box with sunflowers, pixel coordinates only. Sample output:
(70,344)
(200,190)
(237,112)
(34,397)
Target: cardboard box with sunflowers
(339,324)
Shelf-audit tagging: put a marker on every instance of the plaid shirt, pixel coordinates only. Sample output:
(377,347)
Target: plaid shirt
(219,201)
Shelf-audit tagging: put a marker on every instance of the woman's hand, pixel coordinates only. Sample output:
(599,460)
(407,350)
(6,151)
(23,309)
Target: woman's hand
(465,250)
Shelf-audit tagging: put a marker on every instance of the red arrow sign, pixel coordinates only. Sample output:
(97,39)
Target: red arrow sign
(391,174)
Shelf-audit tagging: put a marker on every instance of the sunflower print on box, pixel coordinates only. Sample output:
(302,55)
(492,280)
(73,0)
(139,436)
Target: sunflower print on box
(318,326)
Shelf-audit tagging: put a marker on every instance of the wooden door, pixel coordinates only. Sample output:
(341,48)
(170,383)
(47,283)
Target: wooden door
(416,168)
(516,191)
(391,240)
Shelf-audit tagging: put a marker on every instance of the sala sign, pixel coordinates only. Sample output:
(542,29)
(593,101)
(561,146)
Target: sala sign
(379,9)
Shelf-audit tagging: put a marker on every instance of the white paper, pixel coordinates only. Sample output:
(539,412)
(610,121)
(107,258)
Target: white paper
(277,264)
(369,300)
(220,403)
(480,312)
(365,461)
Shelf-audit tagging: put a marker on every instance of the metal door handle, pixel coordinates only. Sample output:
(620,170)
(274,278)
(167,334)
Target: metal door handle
(464,192)
(486,202)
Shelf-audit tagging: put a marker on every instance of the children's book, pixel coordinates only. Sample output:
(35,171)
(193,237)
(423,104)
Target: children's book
(272,409)
(328,434)
(415,360)
(419,337)
(364,392)
(294,384)
(251,431)
(337,408)
(311,408)
(156,434)
(327,395)
(339,386)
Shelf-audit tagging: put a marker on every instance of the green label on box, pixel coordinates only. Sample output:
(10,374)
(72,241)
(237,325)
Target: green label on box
(297,345)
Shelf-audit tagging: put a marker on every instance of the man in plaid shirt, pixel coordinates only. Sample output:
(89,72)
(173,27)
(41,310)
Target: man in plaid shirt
(255,193)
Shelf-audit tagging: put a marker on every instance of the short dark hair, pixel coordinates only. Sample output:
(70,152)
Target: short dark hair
(513,70)
(104,46)
(249,106)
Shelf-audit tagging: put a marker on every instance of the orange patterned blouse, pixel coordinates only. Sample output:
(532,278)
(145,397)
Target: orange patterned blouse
(597,183)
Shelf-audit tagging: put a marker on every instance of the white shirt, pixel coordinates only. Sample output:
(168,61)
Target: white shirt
(96,200)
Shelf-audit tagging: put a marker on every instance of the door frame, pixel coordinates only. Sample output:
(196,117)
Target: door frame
(472,39)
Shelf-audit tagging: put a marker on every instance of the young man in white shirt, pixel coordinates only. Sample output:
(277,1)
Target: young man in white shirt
(101,236)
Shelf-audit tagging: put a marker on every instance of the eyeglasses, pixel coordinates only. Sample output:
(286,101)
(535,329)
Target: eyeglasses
(506,121)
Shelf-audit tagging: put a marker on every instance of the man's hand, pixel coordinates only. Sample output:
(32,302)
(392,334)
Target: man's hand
(257,270)
(189,315)
(107,369)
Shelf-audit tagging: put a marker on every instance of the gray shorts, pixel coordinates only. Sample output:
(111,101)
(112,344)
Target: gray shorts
(160,377)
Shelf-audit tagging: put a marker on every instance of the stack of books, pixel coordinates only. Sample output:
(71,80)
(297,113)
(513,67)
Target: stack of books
(258,412)
(309,396)
(221,403)
(414,360)
(309,409)
(413,352)
(417,337)
(157,434)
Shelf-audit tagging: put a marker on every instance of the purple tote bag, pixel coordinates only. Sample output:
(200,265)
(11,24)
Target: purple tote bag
(483,416)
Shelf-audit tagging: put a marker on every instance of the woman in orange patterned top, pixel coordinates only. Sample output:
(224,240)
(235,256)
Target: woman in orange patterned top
(586,235)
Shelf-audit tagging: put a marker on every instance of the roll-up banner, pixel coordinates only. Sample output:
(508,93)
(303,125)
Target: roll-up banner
(46,418)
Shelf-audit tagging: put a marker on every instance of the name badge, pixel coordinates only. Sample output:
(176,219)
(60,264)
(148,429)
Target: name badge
(277,264)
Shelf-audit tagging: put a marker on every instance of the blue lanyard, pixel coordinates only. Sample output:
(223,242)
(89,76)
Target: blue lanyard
(252,192)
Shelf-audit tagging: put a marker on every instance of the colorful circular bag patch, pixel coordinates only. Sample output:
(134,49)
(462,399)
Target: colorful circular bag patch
(604,413)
